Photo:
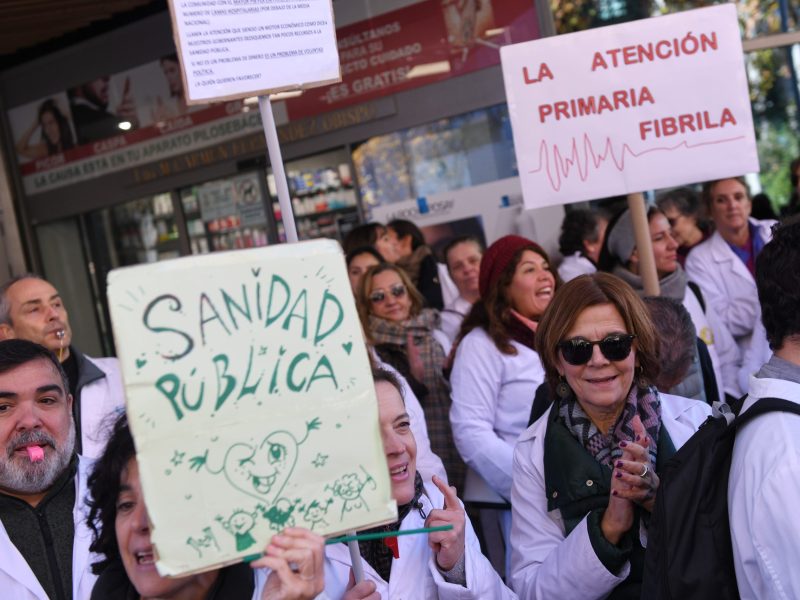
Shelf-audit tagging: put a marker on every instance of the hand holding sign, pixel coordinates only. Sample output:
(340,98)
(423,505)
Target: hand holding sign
(296,558)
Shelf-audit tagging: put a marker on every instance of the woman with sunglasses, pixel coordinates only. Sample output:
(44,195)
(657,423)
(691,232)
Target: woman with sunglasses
(406,336)
(586,472)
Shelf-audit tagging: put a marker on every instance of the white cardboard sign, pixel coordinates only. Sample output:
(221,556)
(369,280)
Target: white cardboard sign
(233,49)
(250,399)
(627,108)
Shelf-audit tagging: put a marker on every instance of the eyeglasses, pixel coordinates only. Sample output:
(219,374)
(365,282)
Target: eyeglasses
(578,351)
(398,291)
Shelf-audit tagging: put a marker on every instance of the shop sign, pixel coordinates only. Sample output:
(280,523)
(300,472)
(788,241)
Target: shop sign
(250,399)
(139,116)
(425,42)
(215,125)
(495,205)
(651,104)
(231,50)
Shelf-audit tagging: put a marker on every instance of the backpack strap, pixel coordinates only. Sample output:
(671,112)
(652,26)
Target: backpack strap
(763,406)
(698,294)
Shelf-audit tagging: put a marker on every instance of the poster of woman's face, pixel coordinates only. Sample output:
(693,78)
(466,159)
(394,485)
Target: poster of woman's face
(42,128)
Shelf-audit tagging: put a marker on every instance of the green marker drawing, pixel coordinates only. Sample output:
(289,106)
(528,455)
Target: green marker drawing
(349,488)
(239,525)
(263,470)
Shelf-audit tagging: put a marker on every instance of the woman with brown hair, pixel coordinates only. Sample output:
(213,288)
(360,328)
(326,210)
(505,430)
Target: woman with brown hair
(406,336)
(496,369)
(585,473)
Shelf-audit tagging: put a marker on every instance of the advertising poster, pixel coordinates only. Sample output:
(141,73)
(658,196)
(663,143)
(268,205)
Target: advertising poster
(655,103)
(250,399)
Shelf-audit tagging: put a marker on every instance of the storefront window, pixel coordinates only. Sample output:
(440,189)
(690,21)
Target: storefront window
(226,214)
(449,154)
(324,200)
(756,17)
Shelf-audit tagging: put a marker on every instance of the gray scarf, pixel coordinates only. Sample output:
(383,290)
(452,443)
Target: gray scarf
(672,286)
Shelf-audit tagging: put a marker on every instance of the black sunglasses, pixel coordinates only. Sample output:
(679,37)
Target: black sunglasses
(578,351)
(398,290)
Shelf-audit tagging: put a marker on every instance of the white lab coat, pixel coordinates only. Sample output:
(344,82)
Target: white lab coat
(99,399)
(492,398)
(574,266)
(17,581)
(727,285)
(763,492)
(452,317)
(721,346)
(414,575)
(544,563)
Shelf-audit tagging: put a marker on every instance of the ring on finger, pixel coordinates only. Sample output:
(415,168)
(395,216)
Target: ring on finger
(644,472)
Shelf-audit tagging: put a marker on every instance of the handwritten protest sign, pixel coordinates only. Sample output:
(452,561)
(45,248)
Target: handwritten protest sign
(232,49)
(654,103)
(250,399)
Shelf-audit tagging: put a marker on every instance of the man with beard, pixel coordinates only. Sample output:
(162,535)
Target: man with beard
(32,309)
(90,112)
(44,543)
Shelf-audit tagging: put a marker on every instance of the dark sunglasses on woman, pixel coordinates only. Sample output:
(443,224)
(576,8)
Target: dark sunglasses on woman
(398,291)
(578,351)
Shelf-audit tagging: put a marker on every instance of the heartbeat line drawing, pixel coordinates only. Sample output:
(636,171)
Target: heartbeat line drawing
(585,157)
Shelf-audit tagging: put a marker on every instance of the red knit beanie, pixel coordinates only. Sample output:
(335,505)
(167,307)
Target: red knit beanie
(499,255)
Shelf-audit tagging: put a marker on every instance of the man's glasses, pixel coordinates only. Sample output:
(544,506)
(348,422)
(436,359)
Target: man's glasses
(398,291)
(578,351)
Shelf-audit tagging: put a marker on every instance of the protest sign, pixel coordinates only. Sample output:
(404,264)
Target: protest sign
(250,399)
(617,110)
(234,49)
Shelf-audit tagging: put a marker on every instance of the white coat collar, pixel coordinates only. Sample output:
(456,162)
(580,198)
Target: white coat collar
(764,387)
(411,548)
(17,568)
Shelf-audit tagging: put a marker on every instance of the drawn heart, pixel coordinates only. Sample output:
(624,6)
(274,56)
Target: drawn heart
(348,347)
(140,362)
(255,272)
(263,470)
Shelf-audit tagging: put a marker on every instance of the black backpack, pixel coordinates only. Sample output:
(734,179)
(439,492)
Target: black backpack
(689,552)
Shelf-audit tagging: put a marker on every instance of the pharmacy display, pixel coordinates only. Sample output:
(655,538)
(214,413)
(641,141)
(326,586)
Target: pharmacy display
(250,400)
(616,110)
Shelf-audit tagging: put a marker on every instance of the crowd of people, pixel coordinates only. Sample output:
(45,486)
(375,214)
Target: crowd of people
(530,404)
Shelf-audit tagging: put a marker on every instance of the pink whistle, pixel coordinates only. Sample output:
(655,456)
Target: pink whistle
(35,453)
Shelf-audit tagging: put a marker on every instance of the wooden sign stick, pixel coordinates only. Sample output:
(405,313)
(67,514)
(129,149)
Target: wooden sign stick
(644,245)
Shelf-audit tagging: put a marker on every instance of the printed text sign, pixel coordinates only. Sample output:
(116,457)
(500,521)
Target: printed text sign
(649,104)
(250,399)
(234,49)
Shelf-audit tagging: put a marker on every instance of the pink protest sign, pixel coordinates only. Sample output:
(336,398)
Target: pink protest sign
(622,109)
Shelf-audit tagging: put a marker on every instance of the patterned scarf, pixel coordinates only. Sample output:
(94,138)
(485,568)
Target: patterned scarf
(421,328)
(605,447)
(376,552)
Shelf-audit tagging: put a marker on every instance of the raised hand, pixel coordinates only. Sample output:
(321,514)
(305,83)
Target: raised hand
(448,546)
(415,363)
